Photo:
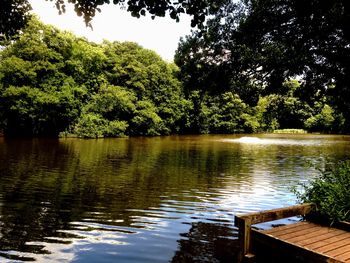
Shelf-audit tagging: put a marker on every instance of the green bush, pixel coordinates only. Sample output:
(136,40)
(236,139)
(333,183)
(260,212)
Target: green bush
(115,129)
(92,125)
(146,120)
(299,131)
(330,193)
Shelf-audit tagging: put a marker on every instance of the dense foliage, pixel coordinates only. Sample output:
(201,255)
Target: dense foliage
(14,14)
(252,48)
(54,83)
(256,65)
(330,193)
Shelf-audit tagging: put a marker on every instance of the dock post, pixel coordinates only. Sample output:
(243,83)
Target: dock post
(244,240)
(245,221)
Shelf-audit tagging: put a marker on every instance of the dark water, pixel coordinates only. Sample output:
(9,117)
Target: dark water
(167,199)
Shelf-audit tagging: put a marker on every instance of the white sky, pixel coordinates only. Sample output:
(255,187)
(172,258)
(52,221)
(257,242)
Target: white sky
(161,34)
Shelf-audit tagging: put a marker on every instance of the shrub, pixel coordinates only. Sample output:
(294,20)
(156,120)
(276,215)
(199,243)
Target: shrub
(92,125)
(330,193)
(299,131)
(116,129)
(146,120)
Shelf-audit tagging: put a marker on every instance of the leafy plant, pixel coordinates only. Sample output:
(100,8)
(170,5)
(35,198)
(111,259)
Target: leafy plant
(330,193)
(92,125)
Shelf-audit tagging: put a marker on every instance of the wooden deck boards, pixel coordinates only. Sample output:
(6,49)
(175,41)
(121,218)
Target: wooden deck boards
(330,242)
(299,242)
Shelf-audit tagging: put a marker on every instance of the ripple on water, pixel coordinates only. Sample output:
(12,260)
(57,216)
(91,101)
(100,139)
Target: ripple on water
(145,200)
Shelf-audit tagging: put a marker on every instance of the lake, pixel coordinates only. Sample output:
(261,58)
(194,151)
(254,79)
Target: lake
(160,199)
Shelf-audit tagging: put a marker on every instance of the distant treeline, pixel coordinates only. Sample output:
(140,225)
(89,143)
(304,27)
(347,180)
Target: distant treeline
(53,83)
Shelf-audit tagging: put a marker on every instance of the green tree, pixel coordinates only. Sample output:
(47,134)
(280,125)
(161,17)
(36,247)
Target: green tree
(92,125)
(113,102)
(266,42)
(150,78)
(13,17)
(86,64)
(146,120)
(37,96)
(229,114)
(106,114)
(31,112)
(53,82)
(223,113)
(286,112)
(325,120)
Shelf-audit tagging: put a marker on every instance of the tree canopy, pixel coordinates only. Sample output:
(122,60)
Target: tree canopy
(257,65)
(260,44)
(14,14)
(52,82)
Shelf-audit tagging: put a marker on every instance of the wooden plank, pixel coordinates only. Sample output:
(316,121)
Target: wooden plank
(307,241)
(289,249)
(298,231)
(285,229)
(324,239)
(244,222)
(328,248)
(344,257)
(314,232)
(275,214)
(341,249)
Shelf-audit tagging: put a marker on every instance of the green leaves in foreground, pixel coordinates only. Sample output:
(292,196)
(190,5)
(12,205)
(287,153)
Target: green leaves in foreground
(330,192)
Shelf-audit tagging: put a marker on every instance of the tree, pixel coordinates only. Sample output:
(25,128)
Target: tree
(106,114)
(325,119)
(52,82)
(267,42)
(37,96)
(28,111)
(150,78)
(229,114)
(92,125)
(14,14)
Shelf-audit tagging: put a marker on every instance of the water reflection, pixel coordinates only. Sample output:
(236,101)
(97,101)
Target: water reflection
(278,140)
(143,199)
(206,242)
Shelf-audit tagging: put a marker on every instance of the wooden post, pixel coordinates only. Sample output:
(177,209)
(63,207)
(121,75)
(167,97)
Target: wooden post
(244,222)
(244,239)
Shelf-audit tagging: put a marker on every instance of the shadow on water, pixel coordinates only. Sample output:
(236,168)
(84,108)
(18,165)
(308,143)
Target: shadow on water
(47,184)
(207,242)
(141,199)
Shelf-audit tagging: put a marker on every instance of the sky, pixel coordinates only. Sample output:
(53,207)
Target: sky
(161,34)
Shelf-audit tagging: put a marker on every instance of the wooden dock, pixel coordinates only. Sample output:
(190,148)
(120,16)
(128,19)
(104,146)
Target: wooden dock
(299,242)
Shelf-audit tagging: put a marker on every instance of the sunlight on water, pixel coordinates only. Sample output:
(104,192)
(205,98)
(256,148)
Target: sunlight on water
(163,199)
(277,141)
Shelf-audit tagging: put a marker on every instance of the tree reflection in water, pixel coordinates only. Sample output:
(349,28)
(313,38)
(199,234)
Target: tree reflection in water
(207,242)
(143,199)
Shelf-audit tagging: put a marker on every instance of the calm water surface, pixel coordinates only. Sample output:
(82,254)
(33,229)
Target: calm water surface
(163,199)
